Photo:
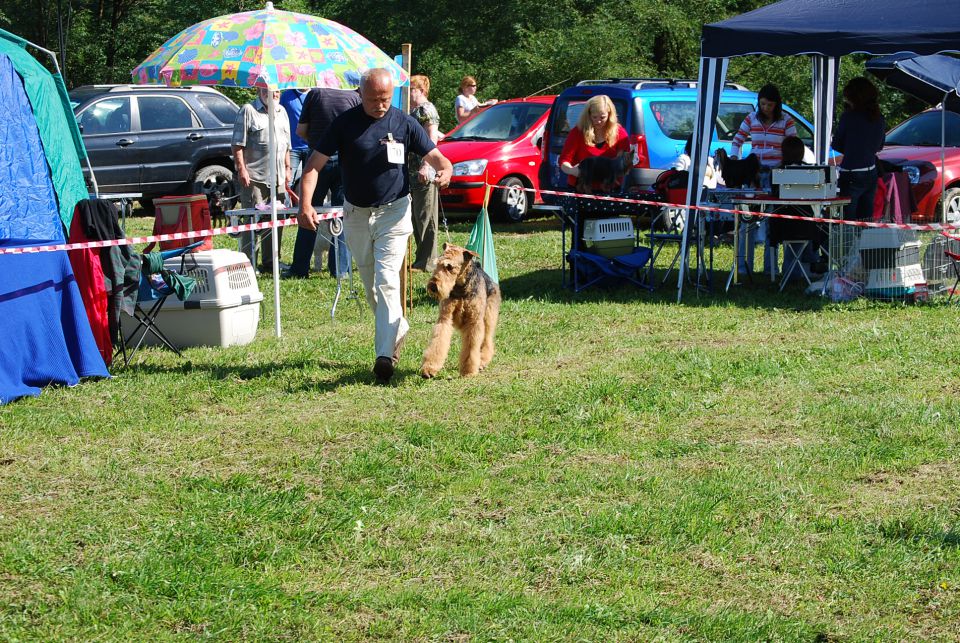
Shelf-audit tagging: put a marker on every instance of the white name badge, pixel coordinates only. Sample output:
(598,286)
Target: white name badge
(395,153)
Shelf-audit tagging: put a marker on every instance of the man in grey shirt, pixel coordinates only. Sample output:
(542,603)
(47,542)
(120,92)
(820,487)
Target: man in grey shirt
(251,157)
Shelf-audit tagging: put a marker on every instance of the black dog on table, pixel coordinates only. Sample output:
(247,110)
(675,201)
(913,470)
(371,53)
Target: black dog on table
(605,170)
(739,173)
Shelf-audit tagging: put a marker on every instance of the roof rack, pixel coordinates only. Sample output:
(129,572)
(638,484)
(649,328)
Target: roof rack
(131,86)
(646,83)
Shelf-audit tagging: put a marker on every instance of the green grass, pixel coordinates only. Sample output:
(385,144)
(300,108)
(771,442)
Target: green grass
(758,466)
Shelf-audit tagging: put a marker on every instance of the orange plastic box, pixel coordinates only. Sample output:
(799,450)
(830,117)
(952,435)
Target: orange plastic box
(182,214)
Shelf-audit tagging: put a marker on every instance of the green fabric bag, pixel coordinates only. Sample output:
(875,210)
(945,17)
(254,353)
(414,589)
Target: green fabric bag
(481,242)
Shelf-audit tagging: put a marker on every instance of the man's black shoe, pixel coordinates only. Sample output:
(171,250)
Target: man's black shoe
(383,369)
(290,274)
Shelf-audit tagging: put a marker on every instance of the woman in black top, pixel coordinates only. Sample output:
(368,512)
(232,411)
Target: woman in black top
(859,136)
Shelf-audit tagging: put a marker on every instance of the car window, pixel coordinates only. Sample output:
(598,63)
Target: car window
(108,116)
(675,118)
(568,111)
(504,122)
(164,112)
(925,130)
(221,107)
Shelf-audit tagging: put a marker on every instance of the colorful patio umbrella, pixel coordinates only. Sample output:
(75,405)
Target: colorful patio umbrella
(271,49)
(266,48)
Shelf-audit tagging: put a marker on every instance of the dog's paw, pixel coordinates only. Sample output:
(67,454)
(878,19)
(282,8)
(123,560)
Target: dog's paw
(428,372)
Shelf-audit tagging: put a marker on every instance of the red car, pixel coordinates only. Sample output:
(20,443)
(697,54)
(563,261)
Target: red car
(914,144)
(500,145)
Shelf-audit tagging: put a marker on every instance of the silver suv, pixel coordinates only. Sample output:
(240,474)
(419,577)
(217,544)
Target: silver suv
(156,140)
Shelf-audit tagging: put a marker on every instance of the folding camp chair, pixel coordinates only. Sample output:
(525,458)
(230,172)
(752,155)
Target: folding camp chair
(593,268)
(151,296)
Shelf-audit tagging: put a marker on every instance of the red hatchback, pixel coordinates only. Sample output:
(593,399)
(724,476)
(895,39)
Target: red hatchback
(914,144)
(500,145)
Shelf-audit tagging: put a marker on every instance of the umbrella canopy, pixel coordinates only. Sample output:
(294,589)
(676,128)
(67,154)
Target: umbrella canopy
(928,78)
(266,48)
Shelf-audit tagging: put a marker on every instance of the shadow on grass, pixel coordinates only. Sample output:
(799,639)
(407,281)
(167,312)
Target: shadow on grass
(343,373)
(545,285)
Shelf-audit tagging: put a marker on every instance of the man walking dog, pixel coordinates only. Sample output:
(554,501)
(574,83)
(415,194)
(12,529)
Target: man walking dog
(373,140)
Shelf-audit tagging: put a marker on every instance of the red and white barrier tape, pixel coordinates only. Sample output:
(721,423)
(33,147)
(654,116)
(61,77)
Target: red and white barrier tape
(938,227)
(196,234)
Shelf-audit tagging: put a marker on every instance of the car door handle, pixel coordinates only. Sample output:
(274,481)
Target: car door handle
(123,142)
(193,136)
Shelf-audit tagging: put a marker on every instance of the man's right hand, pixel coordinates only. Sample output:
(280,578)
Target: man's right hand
(307,216)
(244,177)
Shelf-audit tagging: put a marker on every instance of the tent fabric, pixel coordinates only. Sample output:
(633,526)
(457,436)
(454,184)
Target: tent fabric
(42,318)
(54,117)
(836,28)
(928,78)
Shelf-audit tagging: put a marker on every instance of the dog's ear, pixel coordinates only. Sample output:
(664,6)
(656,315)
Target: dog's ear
(445,246)
(469,256)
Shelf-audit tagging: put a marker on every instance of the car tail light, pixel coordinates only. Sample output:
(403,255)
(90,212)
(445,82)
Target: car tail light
(638,142)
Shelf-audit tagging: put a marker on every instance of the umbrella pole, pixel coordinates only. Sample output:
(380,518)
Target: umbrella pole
(943,142)
(271,117)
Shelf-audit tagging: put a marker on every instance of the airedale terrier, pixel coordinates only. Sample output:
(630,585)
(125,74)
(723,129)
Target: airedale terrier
(469,302)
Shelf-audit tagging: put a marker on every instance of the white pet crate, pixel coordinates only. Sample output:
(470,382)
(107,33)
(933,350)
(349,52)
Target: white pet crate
(224,307)
(609,237)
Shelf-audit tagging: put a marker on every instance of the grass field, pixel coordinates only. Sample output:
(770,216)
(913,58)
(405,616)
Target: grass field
(747,467)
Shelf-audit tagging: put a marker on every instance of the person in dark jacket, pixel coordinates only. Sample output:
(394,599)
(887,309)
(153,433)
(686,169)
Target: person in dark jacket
(860,134)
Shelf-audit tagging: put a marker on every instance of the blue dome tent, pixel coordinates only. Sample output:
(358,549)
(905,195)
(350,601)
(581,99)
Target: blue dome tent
(43,324)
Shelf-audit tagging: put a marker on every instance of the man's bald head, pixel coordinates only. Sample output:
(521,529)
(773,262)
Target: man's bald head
(376,92)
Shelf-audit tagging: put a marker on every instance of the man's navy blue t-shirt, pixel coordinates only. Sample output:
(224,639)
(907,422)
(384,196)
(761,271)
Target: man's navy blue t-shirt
(368,178)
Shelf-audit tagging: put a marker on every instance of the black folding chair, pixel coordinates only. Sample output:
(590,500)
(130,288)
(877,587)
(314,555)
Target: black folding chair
(152,294)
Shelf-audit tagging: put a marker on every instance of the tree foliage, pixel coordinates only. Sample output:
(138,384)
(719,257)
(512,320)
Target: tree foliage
(513,47)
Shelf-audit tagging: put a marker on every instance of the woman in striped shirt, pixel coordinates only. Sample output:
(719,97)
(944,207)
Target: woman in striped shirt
(766,128)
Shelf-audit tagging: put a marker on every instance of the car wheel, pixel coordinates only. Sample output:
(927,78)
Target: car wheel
(216,177)
(952,199)
(512,200)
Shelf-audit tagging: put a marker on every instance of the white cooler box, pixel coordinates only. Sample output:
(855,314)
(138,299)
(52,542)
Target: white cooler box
(222,310)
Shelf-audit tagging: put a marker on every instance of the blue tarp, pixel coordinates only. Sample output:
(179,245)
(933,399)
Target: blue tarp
(43,325)
(928,78)
(837,28)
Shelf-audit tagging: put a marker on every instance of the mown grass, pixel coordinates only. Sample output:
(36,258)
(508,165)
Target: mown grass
(757,466)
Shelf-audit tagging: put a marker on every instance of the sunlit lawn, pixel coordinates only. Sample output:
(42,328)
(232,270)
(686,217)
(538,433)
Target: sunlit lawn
(758,466)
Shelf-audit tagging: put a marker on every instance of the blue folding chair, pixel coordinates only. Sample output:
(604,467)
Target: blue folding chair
(593,268)
(151,296)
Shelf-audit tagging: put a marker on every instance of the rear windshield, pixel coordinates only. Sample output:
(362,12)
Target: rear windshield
(505,122)
(924,130)
(567,112)
(222,107)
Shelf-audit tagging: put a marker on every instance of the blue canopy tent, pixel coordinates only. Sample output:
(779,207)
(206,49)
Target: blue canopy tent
(825,30)
(43,324)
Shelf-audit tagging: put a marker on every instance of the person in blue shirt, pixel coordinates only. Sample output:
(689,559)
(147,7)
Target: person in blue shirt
(373,140)
(292,102)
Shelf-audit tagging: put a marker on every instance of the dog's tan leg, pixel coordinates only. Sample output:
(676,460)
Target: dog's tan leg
(439,346)
(471,337)
(490,317)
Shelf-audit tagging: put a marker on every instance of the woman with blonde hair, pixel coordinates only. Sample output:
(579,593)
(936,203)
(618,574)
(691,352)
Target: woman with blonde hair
(467,103)
(424,193)
(597,133)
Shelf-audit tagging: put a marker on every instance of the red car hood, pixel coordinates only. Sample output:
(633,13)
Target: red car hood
(930,154)
(458,151)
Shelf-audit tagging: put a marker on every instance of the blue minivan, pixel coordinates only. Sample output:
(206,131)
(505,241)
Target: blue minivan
(658,115)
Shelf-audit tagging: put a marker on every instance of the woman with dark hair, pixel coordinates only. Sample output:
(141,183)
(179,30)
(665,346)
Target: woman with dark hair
(766,128)
(860,134)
